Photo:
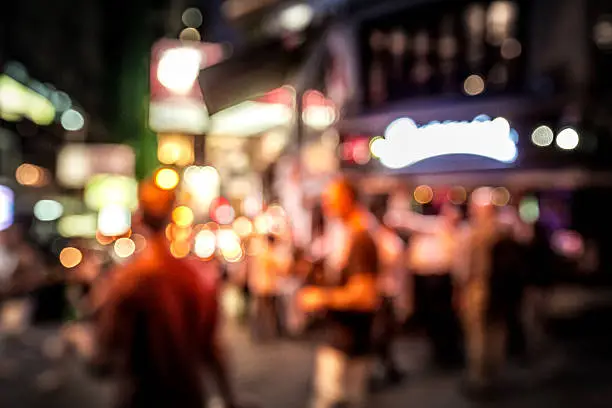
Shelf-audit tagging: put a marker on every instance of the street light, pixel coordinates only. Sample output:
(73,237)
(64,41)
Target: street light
(179,68)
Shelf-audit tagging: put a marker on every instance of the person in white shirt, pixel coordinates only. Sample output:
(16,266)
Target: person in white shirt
(432,259)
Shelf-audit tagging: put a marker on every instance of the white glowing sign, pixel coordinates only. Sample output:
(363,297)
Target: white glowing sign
(7,207)
(405,143)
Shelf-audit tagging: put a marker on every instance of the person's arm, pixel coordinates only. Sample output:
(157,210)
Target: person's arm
(412,221)
(360,291)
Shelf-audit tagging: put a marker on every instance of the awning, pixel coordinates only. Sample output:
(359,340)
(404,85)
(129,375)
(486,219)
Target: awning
(253,72)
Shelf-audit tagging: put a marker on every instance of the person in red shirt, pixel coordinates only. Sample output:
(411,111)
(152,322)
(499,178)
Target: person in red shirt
(157,320)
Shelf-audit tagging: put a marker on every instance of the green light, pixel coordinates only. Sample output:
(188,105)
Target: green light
(529,210)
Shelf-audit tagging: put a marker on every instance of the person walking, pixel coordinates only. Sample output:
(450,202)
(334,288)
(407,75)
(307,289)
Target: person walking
(492,280)
(431,259)
(343,361)
(156,321)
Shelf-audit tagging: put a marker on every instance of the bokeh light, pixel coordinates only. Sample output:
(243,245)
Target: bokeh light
(423,194)
(568,139)
(72,120)
(474,85)
(500,196)
(7,207)
(263,224)
(124,247)
(376,146)
(511,48)
(542,136)
(114,220)
(482,196)
(48,210)
(70,257)
(182,216)
(167,179)
(457,195)
(180,249)
(192,17)
(243,226)
(140,242)
(205,244)
(30,175)
(190,34)
(529,210)
(179,68)
(224,214)
(296,17)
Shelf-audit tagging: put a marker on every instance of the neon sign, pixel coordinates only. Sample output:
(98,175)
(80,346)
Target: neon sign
(405,143)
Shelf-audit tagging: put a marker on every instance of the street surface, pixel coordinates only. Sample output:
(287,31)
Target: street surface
(277,375)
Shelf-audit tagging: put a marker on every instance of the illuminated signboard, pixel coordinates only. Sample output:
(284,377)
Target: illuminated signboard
(7,207)
(78,163)
(406,143)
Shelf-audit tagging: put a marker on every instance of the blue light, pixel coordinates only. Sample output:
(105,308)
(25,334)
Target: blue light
(482,118)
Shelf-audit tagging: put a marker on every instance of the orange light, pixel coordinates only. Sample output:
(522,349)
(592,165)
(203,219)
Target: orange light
(103,239)
(243,226)
(423,194)
(70,257)
(500,196)
(180,249)
(30,175)
(124,247)
(167,179)
(182,216)
(457,195)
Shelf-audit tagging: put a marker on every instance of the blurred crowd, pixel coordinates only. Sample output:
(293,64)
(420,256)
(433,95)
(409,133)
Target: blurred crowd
(471,279)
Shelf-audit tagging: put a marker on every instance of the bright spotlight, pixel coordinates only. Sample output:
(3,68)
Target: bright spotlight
(568,139)
(179,68)
(297,17)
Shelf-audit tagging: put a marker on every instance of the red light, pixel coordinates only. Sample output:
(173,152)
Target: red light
(314,98)
(215,204)
(280,96)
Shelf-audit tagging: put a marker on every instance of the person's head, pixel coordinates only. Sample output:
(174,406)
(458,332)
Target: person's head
(340,199)
(155,205)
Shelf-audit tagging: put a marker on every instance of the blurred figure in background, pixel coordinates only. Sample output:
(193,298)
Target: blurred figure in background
(343,361)
(391,282)
(492,280)
(432,260)
(269,265)
(157,321)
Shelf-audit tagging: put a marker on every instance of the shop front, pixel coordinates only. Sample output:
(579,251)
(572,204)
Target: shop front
(479,96)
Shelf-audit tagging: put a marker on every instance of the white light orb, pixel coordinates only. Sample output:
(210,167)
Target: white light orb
(72,120)
(542,136)
(296,18)
(568,139)
(179,68)
(48,210)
